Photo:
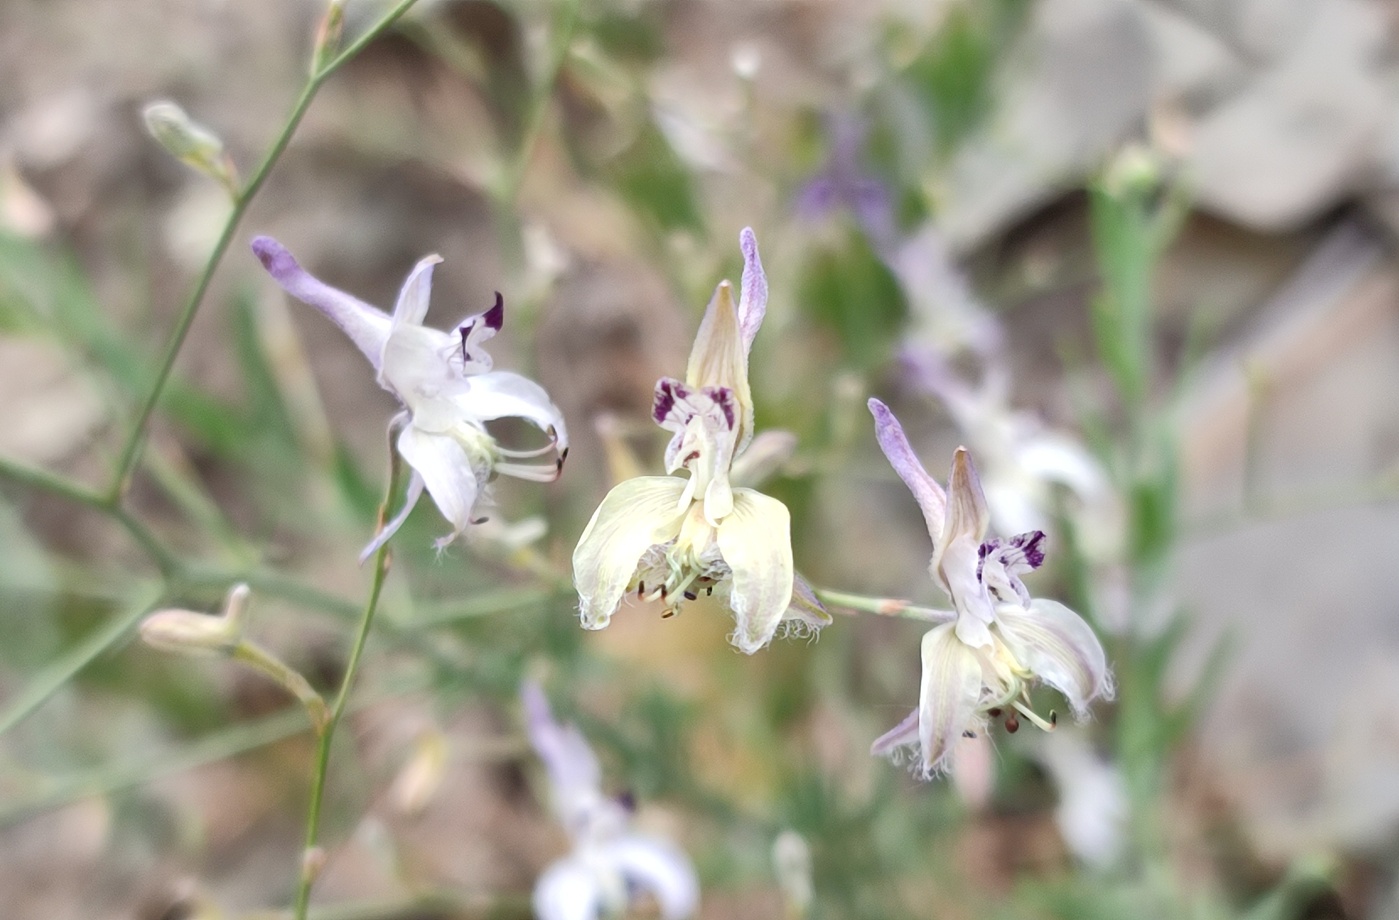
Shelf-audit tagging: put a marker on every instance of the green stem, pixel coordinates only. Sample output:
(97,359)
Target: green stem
(59,672)
(337,709)
(220,745)
(534,118)
(883,606)
(131,449)
(279,672)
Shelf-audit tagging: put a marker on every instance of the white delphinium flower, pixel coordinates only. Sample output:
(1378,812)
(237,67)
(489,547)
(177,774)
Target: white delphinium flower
(997,641)
(446,385)
(610,864)
(669,538)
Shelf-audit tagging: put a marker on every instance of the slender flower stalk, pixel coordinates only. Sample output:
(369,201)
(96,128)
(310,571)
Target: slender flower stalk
(982,664)
(312,854)
(672,538)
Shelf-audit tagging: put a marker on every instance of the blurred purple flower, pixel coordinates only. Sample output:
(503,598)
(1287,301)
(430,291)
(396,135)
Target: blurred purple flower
(842,183)
(445,383)
(1000,641)
(610,865)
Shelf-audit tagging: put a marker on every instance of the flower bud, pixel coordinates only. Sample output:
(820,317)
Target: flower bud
(418,780)
(328,36)
(187,632)
(190,142)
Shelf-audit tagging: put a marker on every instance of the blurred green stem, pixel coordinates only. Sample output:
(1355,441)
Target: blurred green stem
(60,671)
(309,869)
(220,745)
(883,606)
(131,449)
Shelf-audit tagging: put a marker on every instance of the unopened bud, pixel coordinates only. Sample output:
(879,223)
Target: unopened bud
(313,860)
(190,142)
(791,862)
(328,35)
(187,632)
(1135,172)
(420,777)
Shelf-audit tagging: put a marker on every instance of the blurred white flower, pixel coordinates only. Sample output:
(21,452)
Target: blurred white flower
(670,538)
(1092,813)
(1022,459)
(610,864)
(998,640)
(446,385)
(791,863)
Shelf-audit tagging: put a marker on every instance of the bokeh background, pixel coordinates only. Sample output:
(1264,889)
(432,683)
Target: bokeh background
(1151,241)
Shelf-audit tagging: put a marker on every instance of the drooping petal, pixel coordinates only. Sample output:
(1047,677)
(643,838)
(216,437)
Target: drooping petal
(904,734)
(636,515)
(949,696)
(447,471)
(410,501)
(755,540)
(411,307)
(502,394)
(568,890)
(659,868)
(753,289)
(365,325)
(1060,648)
(926,491)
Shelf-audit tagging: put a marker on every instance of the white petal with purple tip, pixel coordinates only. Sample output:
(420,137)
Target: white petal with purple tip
(366,326)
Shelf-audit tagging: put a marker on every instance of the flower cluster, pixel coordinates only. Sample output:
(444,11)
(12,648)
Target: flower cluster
(447,388)
(998,641)
(671,538)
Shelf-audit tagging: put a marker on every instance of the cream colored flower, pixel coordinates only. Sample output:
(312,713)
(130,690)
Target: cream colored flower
(999,641)
(669,538)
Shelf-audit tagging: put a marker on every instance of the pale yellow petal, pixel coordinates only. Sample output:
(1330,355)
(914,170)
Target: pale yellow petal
(755,540)
(1060,648)
(949,696)
(636,515)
